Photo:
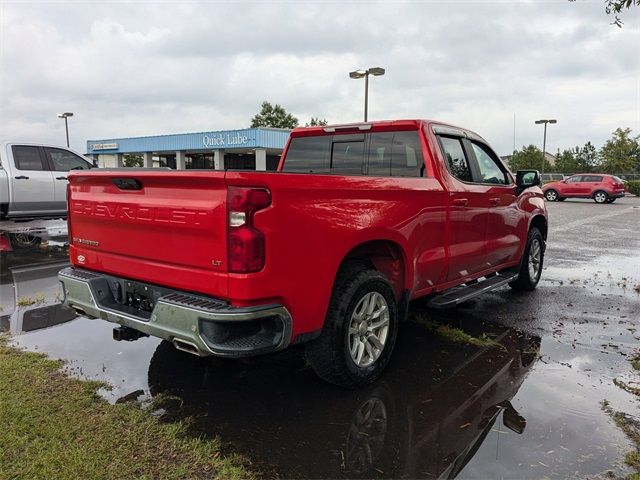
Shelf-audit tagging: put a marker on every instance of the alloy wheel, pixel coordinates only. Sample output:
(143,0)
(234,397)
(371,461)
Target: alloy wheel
(535,258)
(368,329)
(600,197)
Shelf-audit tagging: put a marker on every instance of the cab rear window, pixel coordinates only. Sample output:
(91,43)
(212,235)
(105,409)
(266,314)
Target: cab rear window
(395,154)
(308,155)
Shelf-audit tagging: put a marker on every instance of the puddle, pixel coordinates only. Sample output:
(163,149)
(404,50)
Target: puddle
(530,409)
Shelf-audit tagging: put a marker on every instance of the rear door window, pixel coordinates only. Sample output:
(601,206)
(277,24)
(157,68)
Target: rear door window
(63,160)
(455,158)
(27,157)
(592,178)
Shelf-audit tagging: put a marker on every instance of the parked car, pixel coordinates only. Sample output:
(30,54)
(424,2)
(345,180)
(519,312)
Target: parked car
(359,220)
(551,177)
(600,187)
(33,179)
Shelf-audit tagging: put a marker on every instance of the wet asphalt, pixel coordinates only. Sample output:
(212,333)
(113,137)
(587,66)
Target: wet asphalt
(526,408)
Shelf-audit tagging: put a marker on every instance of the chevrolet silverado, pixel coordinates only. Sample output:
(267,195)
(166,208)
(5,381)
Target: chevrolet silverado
(329,250)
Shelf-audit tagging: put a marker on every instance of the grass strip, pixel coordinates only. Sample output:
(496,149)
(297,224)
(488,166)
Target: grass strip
(635,361)
(455,335)
(631,428)
(57,427)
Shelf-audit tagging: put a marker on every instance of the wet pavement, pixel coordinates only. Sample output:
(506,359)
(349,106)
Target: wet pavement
(528,408)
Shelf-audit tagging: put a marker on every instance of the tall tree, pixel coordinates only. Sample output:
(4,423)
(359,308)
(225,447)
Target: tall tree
(621,153)
(132,160)
(529,158)
(317,122)
(587,158)
(566,162)
(615,8)
(273,116)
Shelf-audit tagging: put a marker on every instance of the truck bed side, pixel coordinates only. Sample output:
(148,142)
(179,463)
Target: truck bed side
(313,223)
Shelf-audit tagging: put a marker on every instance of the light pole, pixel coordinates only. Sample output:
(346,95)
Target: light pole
(544,139)
(376,71)
(66,115)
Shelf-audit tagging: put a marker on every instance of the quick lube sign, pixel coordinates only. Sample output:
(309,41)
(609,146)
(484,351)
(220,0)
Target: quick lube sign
(224,139)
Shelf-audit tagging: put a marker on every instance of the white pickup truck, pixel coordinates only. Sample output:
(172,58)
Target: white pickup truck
(33,179)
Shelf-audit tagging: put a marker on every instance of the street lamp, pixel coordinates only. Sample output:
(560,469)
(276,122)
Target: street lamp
(376,71)
(66,115)
(544,138)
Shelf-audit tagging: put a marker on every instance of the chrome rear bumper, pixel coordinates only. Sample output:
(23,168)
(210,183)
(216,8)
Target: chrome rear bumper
(197,324)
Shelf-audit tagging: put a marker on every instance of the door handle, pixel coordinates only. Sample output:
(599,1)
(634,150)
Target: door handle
(460,202)
(61,178)
(22,177)
(493,202)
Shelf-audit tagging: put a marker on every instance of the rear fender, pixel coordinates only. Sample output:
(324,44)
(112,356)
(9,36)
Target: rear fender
(387,251)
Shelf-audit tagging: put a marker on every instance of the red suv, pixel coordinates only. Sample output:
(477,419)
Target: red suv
(602,188)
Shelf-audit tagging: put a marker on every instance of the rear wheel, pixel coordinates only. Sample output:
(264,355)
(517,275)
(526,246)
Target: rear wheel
(24,240)
(359,332)
(600,197)
(551,195)
(531,263)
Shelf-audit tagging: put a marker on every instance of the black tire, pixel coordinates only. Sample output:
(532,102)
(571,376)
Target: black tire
(562,199)
(551,195)
(329,354)
(24,240)
(526,281)
(601,197)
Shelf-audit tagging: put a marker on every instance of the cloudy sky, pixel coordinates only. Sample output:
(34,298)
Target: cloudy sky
(147,68)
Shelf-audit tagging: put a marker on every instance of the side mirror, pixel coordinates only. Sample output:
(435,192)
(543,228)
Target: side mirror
(526,179)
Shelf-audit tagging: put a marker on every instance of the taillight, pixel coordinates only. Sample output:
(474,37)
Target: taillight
(69,237)
(5,244)
(246,243)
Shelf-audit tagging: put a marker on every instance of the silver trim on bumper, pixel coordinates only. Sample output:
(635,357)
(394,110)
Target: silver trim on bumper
(176,317)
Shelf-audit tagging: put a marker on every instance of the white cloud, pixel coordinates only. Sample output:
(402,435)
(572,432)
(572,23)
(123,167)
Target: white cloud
(164,67)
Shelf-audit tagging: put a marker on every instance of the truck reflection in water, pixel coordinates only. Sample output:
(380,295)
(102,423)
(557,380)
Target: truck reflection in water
(425,418)
(30,299)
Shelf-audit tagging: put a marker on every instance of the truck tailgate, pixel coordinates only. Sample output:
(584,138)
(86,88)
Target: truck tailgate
(162,227)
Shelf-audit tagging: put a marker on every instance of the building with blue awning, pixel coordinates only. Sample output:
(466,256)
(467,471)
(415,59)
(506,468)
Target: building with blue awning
(249,148)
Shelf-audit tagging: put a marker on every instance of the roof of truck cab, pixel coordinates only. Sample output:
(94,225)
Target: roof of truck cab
(377,125)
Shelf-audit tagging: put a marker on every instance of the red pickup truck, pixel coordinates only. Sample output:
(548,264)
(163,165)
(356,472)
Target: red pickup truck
(329,250)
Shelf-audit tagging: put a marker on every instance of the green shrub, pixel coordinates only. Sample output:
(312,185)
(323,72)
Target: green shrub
(634,187)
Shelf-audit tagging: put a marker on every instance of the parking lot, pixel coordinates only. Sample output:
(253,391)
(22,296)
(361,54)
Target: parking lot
(524,400)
